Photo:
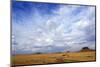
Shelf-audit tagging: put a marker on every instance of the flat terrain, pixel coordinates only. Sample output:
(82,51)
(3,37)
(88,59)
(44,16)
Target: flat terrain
(53,58)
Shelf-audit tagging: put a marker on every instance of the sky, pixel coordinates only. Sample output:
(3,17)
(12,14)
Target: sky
(50,27)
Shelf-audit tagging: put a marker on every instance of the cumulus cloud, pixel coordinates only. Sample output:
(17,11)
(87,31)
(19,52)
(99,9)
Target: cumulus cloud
(65,28)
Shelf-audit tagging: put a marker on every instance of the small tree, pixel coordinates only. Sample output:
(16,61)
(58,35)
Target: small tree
(38,53)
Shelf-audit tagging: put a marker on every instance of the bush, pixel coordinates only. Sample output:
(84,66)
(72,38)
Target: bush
(38,53)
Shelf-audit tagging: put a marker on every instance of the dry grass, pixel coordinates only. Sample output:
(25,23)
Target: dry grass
(53,58)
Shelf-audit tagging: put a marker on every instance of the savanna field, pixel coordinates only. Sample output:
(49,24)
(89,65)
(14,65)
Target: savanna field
(65,57)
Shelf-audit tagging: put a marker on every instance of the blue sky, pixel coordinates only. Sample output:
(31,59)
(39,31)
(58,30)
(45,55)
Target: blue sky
(45,27)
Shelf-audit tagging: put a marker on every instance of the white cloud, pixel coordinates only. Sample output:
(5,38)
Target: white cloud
(61,29)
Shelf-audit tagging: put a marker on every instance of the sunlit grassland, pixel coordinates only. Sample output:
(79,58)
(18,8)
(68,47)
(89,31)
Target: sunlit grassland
(32,59)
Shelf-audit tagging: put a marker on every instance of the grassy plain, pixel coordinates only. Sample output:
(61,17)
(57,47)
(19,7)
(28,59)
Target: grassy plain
(34,59)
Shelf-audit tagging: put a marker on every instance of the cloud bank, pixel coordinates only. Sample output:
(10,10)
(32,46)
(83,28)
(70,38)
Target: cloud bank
(44,27)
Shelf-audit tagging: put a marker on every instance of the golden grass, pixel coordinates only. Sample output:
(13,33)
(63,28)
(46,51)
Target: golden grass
(53,58)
